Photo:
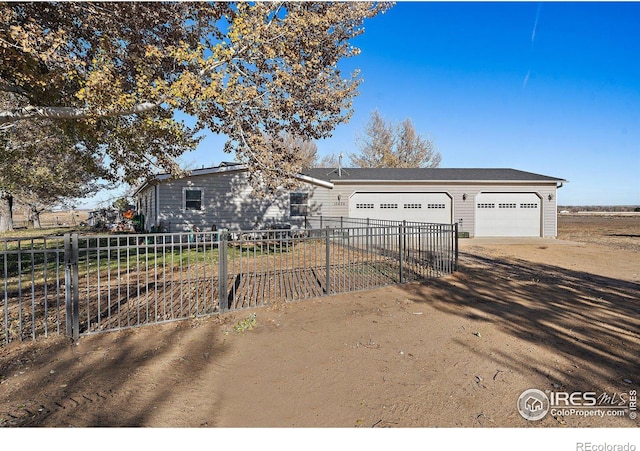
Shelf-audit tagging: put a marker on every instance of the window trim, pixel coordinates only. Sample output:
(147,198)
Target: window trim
(184,199)
(298,205)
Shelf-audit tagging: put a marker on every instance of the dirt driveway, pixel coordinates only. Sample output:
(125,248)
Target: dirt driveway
(452,352)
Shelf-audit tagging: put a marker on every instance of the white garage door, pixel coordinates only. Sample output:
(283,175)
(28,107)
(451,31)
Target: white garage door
(508,214)
(419,207)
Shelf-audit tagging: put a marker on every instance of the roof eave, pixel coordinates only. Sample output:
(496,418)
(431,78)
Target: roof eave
(193,173)
(228,169)
(444,181)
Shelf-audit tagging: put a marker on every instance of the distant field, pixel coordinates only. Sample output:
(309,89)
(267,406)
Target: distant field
(603,213)
(53,219)
(616,230)
(598,208)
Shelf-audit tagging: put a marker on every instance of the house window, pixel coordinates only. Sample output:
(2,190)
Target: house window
(193,199)
(298,204)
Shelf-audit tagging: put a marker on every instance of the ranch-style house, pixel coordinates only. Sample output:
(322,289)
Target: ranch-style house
(484,202)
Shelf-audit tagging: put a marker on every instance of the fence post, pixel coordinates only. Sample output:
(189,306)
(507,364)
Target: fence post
(71,290)
(223,290)
(405,239)
(67,284)
(368,244)
(455,246)
(328,260)
(401,249)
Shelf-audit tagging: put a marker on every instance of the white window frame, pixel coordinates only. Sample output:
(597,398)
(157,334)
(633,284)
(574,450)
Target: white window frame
(184,199)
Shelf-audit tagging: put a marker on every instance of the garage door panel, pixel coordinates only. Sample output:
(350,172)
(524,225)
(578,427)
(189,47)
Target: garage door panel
(419,207)
(508,214)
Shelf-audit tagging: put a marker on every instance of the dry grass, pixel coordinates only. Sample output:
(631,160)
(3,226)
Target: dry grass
(65,218)
(622,232)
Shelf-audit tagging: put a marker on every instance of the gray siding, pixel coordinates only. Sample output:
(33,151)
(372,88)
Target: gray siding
(319,201)
(463,210)
(147,206)
(227,201)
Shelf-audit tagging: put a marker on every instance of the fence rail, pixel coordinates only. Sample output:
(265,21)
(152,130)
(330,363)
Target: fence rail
(344,221)
(80,285)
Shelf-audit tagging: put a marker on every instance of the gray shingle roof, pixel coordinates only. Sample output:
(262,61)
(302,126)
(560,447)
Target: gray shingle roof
(429,175)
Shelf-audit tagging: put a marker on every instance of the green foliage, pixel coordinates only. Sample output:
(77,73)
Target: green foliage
(122,204)
(246,324)
(43,166)
(117,254)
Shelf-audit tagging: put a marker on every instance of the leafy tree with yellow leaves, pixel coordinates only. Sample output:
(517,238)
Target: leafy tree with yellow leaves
(118,72)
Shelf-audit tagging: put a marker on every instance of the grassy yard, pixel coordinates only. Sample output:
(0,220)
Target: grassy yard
(40,233)
(38,259)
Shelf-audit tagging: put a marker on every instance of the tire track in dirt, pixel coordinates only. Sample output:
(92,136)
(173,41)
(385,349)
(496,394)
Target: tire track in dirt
(33,412)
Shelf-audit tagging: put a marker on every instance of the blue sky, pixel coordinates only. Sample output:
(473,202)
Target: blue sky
(551,88)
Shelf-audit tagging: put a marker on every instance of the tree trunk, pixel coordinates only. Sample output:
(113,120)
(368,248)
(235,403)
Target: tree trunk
(6,214)
(35,218)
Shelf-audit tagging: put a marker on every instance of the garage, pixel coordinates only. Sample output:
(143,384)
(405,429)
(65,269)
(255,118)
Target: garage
(419,207)
(508,214)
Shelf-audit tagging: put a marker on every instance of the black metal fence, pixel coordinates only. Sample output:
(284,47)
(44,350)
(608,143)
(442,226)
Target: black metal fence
(345,221)
(80,285)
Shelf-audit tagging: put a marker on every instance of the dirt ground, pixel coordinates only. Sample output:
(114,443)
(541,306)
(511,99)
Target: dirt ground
(558,315)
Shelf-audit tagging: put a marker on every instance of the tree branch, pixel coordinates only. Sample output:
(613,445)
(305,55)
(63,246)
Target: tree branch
(11,146)
(5,87)
(32,112)
(5,127)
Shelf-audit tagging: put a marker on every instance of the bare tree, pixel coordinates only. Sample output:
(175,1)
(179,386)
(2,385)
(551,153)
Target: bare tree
(414,151)
(376,145)
(385,145)
(293,149)
(330,160)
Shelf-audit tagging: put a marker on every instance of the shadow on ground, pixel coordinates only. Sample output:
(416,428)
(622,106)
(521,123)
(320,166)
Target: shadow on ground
(592,321)
(106,380)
